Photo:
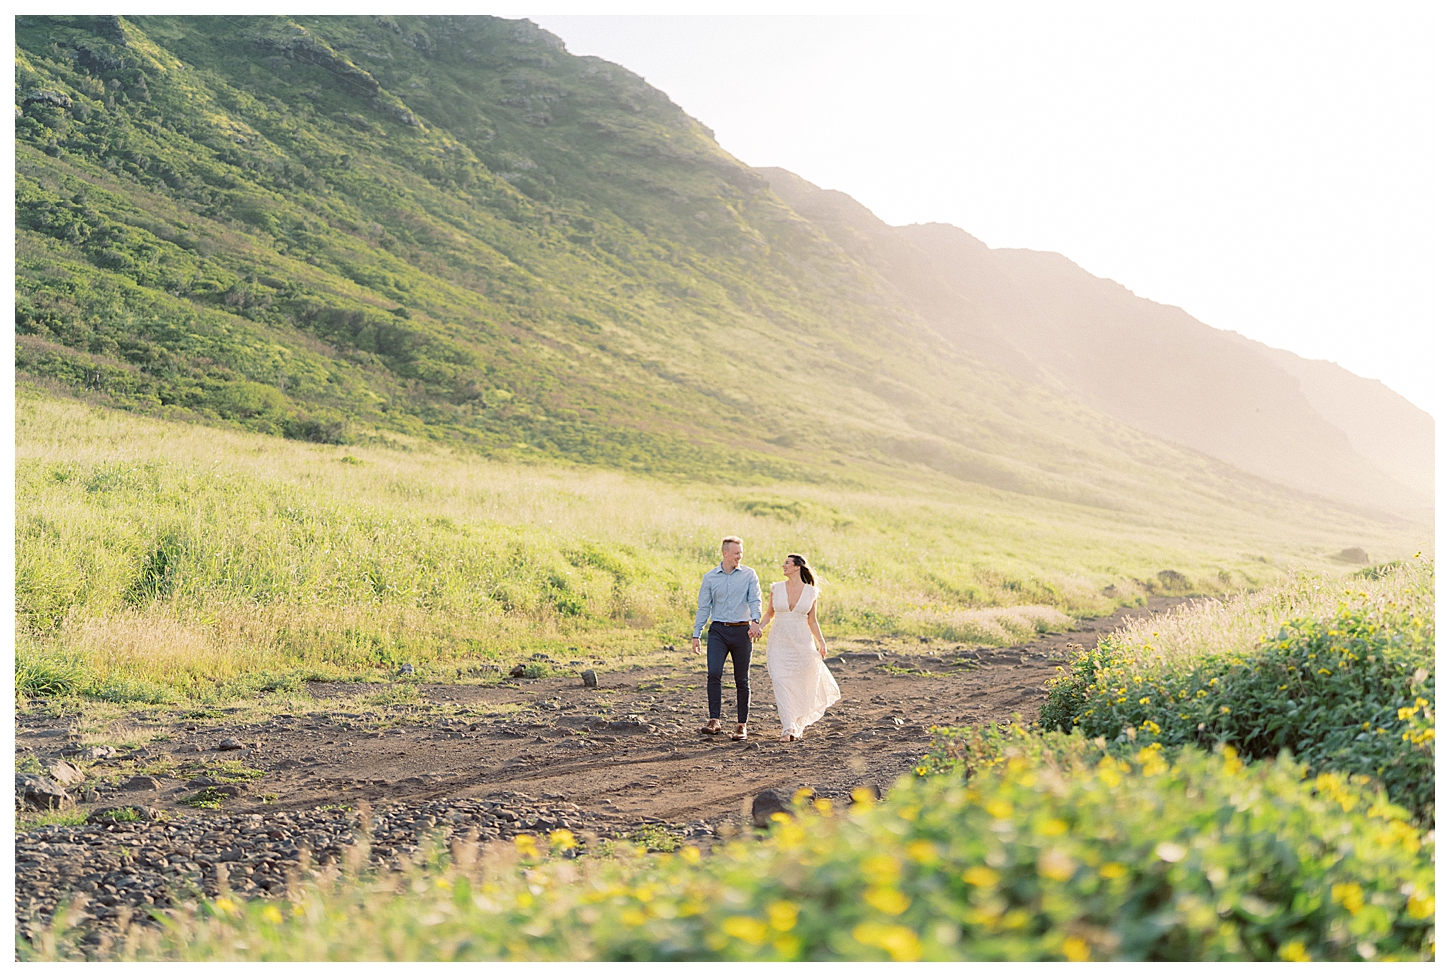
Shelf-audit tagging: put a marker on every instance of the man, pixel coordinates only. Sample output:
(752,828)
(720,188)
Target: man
(730,601)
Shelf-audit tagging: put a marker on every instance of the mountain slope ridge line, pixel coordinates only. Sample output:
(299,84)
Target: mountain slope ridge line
(499,248)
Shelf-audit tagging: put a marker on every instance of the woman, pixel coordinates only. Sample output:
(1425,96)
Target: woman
(796,651)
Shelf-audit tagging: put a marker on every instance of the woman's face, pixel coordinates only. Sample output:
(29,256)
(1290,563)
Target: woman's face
(790,570)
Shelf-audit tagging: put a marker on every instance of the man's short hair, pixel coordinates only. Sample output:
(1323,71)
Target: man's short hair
(732,539)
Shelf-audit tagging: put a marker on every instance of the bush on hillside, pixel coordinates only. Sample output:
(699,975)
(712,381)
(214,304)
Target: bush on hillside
(1052,851)
(1353,693)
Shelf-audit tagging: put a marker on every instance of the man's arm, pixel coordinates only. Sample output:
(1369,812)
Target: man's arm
(702,612)
(752,597)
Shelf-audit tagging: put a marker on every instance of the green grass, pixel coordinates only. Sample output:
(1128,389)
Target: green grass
(160,563)
(24,820)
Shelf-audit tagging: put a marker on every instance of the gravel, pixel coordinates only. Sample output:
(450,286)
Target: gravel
(132,861)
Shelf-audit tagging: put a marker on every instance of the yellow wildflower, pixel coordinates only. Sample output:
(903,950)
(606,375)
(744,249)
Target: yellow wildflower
(900,942)
(880,869)
(921,851)
(980,876)
(886,900)
(1294,952)
(1349,895)
(745,928)
(1075,949)
(782,915)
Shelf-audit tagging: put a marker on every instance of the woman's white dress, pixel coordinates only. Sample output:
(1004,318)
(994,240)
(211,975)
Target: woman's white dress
(804,687)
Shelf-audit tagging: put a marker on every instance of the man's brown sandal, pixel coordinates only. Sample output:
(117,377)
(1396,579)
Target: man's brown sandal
(712,728)
(739,733)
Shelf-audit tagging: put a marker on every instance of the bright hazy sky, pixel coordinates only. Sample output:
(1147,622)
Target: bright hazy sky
(1274,175)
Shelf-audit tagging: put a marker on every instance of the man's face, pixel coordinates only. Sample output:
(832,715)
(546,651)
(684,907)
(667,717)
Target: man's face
(730,555)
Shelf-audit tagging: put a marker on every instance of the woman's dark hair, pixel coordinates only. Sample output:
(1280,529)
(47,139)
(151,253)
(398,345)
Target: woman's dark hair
(800,561)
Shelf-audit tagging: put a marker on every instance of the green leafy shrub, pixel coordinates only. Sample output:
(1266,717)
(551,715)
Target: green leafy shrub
(1353,692)
(1052,851)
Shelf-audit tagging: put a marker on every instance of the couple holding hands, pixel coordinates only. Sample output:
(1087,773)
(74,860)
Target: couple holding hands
(795,652)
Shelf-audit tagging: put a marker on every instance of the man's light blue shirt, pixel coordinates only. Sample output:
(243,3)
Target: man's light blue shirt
(728,597)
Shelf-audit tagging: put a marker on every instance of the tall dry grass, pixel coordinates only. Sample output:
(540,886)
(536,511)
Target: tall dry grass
(1224,626)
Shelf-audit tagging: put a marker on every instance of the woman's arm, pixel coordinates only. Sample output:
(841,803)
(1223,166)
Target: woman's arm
(769,611)
(816,630)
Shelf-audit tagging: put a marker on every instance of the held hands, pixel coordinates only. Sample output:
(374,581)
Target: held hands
(756,631)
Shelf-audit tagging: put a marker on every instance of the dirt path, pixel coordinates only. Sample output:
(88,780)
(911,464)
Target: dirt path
(629,745)
(607,761)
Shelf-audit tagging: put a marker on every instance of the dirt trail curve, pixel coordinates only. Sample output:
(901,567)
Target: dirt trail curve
(610,761)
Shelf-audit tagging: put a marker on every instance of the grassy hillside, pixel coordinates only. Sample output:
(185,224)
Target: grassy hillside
(534,253)
(156,559)
(447,248)
(348,229)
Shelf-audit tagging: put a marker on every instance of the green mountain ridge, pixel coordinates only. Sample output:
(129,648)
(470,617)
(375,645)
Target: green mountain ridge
(372,228)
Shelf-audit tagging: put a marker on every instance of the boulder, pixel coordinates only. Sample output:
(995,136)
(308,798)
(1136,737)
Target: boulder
(591,680)
(231,743)
(40,97)
(767,802)
(63,773)
(142,782)
(40,794)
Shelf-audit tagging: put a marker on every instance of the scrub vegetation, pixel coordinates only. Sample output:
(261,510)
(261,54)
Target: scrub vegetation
(1341,673)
